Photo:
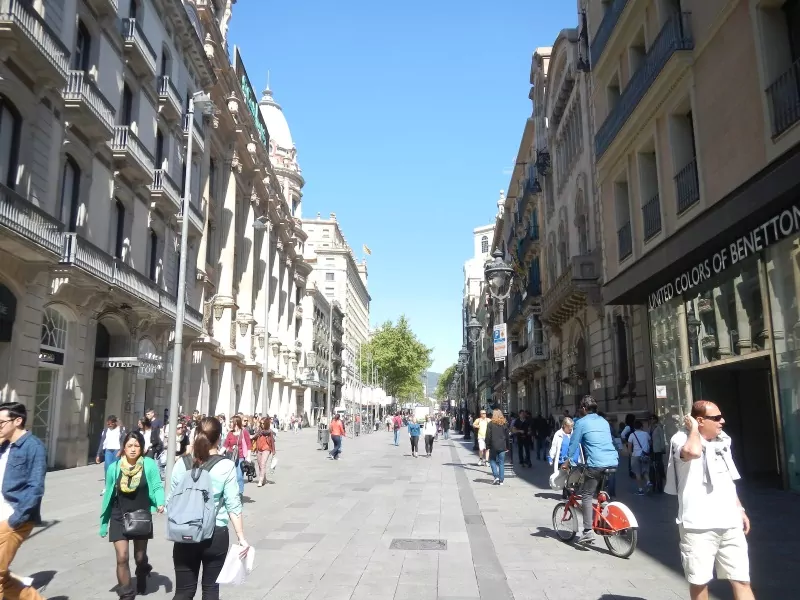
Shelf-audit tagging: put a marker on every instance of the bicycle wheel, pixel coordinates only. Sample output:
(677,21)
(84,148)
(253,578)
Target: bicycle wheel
(622,543)
(565,522)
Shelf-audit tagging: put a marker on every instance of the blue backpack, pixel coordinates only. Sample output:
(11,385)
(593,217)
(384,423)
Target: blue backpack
(191,510)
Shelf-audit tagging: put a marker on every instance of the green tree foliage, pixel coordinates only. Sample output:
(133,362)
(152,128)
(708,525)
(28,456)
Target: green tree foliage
(444,383)
(399,357)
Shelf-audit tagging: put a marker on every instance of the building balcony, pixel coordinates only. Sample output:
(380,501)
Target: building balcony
(674,37)
(170,105)
(651,216)
(530,244)
(33,44)
(104,8)
(783,96)
(576,287)
(29,232)
(605,29)
(687,186)
(197,222)
(165,194)
(624,241)
(138,52)
(87,108)
(528,360)
(132,159)
(199,138)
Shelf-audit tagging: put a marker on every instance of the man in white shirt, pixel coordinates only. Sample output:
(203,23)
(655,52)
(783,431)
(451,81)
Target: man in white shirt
(711,520)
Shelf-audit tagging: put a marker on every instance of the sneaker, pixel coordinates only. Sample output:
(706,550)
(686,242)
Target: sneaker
(501,483)
(586,538)
(640,492)
(496,482)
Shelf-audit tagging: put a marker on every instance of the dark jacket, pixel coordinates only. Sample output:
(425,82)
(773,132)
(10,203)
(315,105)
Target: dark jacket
(156,443)
(496,438)
(23,483)
(122,433)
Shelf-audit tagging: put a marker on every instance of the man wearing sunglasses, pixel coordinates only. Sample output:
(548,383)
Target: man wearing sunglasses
(711,520)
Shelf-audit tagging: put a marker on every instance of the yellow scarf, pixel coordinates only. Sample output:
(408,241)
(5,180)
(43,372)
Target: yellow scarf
(131,475)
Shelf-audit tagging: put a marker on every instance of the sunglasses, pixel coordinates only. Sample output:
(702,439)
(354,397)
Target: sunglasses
(715,418)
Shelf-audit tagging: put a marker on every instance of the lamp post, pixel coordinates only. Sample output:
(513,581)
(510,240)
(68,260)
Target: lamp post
(264,225)
(474,329)
(463,357)
(202,101)
(499,275)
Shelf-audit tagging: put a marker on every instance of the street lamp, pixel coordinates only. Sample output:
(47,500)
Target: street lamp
(474,329)
(499,275)
(203,102)
(264,225)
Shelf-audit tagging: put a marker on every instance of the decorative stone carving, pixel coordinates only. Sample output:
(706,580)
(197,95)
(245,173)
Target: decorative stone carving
(254,199)
(235,162)
(233,105)
(279,245)
(208,47)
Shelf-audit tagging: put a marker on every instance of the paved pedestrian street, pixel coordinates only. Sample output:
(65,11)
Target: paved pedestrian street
(379,524)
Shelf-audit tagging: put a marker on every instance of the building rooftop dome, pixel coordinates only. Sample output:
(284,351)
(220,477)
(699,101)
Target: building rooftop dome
(275,120)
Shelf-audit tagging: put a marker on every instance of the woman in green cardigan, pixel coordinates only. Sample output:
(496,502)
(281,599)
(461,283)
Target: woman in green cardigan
(132,483)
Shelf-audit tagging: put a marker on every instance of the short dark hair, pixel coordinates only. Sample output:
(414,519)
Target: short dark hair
(147,410)
(638,424)
(111,418)
(16,410)
(146,422)
(589,404)
(133,435)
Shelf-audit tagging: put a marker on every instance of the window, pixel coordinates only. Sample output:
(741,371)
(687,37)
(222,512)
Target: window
(159,149)
(326,233)
(484,245)
(329,276)
(212,178)
(329,291)
(177,270)
(118,229)
(134,9)
(81,60)
(126,114)
(166,62)
(70,193)
(153,250)
(10,125)
(621,331)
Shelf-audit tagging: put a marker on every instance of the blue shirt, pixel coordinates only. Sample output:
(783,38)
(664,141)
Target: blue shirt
(23,483)
(413,429)
(592,432)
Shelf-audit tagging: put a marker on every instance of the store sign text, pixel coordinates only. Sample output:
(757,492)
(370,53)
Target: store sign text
(769,232)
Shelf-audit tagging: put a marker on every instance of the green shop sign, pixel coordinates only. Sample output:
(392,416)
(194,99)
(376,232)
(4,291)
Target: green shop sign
(250,98)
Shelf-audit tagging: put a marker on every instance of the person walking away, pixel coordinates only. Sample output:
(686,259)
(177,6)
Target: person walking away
(480,425)
(497,444)
(337,433)
(23,464)
(110,444)
(639,448)
(414,431)
(429,431)
(237,445)
(591,434)
(541,430)
(446,427)
(209,554)
(397,423)
(522,428)
(153,446)
(659,443)
(388,423)
(265,449)
(133,492)
(630,419)
(712,523)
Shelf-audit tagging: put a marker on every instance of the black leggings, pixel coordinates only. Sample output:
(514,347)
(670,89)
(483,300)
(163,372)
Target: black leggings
(414,444)
(188,558)
(428,444)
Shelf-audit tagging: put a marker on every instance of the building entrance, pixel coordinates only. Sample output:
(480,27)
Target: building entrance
(97,406)
(743,393)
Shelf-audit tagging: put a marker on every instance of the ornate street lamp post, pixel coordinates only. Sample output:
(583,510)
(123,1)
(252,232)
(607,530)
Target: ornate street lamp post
(463,357)
(474,329)
(499,275)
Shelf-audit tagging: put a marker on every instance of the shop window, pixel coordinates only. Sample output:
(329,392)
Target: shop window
(10,126)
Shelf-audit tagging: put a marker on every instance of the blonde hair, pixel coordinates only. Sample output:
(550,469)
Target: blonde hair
(498,418)
(567,422)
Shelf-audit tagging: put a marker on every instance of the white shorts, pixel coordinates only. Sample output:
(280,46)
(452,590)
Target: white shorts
(481,444)
(702,550)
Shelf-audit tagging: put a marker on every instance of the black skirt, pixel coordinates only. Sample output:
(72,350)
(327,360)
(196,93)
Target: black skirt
(123,503)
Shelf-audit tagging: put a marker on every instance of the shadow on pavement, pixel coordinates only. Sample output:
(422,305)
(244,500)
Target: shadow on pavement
(159,581)
(43,527)
(486,481)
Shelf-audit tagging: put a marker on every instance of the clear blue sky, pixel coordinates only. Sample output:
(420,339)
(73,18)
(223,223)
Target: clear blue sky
(407,117)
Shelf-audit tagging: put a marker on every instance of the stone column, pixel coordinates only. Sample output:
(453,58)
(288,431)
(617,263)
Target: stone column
(244,298)
(248,392)
(723,334)
(742,286)
(225,398)
(275,289)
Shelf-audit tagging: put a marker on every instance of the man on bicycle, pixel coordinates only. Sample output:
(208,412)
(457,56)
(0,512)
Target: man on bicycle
(594,436)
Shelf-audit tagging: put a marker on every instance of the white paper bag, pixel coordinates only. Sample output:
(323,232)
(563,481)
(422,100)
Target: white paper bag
(236,569)
(274,463)
(558,479)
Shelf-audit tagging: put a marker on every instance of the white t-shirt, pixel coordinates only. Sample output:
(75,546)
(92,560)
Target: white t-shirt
(6,510)
(148,439)
(640,442)
(111,441)
(702,505)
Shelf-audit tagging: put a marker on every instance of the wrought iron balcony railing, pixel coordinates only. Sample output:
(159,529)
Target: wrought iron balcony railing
(29,221)
(687,186)
(651,215)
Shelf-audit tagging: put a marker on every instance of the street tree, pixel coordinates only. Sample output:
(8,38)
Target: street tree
(399,357)
(445,380)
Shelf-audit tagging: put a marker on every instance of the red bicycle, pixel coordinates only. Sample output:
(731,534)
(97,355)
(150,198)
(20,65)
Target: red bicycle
(613,521)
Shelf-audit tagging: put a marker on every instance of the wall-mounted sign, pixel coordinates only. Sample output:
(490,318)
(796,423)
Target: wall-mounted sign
(499,337)
(118,362)
(781,226)
(250,98)
(661,392)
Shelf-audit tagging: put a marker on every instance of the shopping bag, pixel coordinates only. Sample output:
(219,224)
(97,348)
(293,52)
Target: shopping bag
(274,463)
(558,480)
(236,569)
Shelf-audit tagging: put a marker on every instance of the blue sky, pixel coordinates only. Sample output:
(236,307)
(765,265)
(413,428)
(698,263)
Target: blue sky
(407,117)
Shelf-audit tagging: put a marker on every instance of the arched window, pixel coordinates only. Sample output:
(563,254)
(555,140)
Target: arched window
(562,248)
(10,126)
(70,193)
(583,235)
(484,245)
(54,330)
(81,60)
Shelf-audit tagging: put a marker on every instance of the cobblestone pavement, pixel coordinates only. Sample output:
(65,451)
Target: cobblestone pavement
(334,531)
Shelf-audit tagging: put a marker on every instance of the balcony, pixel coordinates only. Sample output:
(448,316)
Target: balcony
(576,287)
(687,186)
(651,216)
(86,108)
(104,8)
(199,138)
(674,37)
(530,245)
(170,105)
(132,159)
(196,220)
(32,229)
(528,360)
(624,241)
(139,53)
(165,194)
(783,96)
(606,28)
(32,43)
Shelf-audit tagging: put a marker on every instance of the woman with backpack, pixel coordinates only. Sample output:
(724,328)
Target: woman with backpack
(265,449)
(209,551)
(133,492)
(237,446)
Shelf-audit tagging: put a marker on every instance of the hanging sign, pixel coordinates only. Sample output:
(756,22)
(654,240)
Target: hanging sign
(118,362)
(499,338)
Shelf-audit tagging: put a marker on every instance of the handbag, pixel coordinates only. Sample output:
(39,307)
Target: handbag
(233,453)
(137,523)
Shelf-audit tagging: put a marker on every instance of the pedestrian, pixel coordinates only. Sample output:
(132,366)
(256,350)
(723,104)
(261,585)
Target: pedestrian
(133,492)
(541,430)
(265,449)
(446,426)
(630,419)
(337,433)
(479,425)
(397,423)
(429,431)
(153,446)
(659,442)
(237,445)
(188,558)
(110,444)
(560,444)
(23,464)
(414,431)
(497,444)
(712,523)
(639,448)
(522,429)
